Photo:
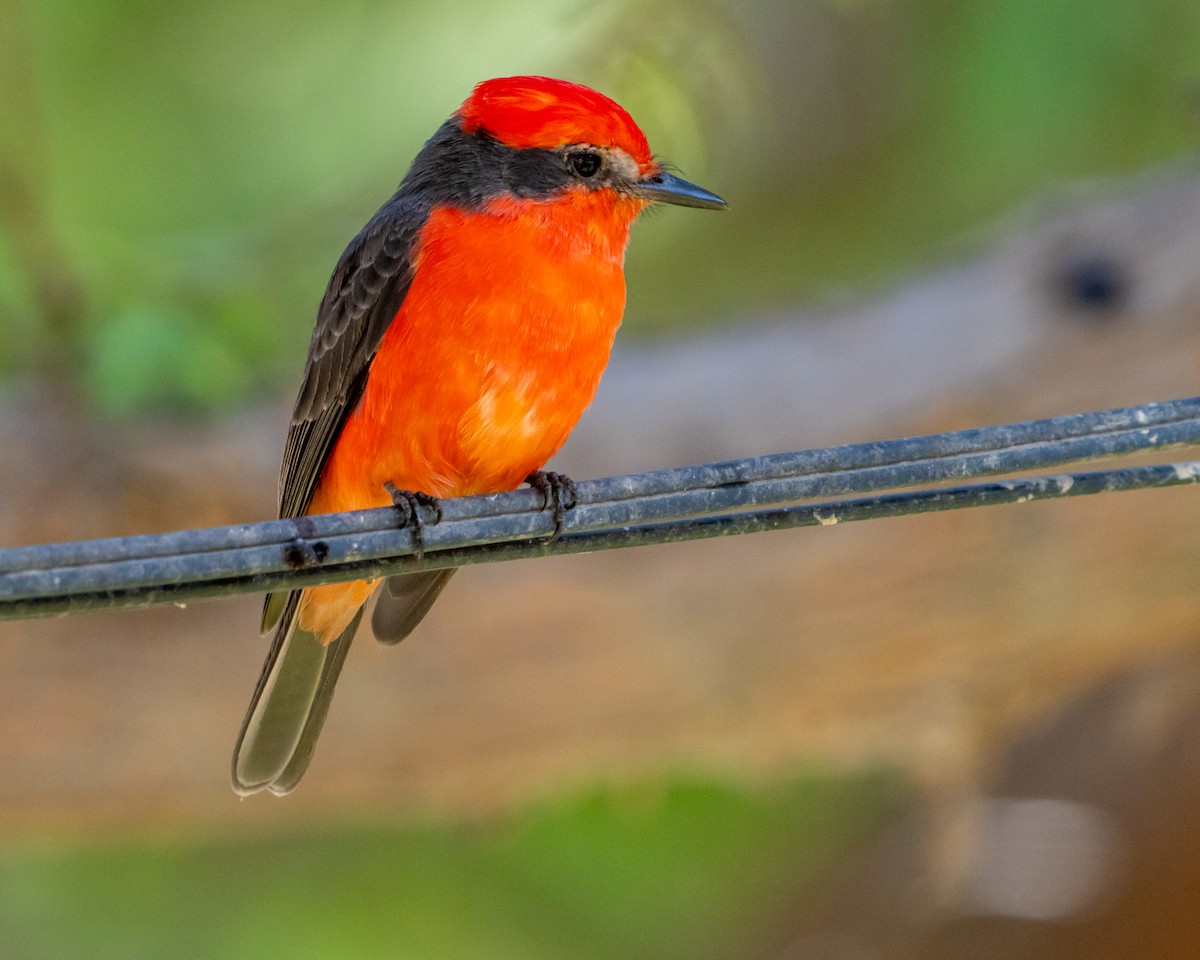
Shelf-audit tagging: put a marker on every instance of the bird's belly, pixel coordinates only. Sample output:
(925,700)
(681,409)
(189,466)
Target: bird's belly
(464,422)
(494,427)
(497,350)
(517,423)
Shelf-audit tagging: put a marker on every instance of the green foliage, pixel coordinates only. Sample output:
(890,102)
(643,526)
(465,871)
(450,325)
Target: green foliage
(690,870)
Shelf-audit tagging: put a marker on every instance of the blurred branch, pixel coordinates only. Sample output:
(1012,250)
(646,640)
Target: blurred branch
(663,506)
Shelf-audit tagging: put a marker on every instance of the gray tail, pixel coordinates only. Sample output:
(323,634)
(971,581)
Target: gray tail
(288,709)
(403,601)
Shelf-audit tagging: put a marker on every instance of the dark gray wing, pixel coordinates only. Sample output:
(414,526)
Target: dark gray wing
(364,294)
(366,289)
(297,682)
(404,600)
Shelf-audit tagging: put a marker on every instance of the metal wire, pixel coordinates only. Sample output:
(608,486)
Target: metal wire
(658,507)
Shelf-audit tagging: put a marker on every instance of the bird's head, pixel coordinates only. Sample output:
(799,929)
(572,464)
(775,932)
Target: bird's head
(541,138)
(595,141)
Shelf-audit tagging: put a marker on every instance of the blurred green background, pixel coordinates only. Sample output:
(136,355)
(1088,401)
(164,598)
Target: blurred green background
(681,870)
(176,181)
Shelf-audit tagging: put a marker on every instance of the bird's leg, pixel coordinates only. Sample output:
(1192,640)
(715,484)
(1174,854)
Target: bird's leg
(409,504)
(558,494)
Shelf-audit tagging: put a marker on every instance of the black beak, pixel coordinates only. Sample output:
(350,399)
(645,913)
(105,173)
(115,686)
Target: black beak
(664,188)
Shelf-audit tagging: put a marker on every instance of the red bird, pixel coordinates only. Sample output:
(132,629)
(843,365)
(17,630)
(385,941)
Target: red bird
(462,334)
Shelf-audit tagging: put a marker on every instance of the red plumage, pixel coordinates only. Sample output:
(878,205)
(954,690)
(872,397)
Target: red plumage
(525,112)
(464,331)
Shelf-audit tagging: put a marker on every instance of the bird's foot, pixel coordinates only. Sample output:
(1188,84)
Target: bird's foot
(558,495)
(409,503)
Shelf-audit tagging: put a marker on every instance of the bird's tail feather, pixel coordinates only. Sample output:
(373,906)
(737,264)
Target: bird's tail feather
(289,705)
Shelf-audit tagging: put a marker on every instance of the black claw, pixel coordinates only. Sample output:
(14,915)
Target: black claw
(409,503)
(430,502)
(558,494)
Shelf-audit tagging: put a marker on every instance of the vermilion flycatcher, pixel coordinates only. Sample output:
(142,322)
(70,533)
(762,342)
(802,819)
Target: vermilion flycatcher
(462,334)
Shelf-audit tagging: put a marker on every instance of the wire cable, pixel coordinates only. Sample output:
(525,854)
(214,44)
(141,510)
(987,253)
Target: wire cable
(694,502)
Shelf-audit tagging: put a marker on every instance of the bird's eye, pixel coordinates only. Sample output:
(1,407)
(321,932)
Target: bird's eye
(585,163)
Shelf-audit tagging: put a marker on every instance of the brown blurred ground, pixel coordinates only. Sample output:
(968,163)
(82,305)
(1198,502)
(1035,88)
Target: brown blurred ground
(930,643)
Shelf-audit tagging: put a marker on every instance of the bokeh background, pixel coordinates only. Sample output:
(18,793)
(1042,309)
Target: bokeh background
(947,736)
